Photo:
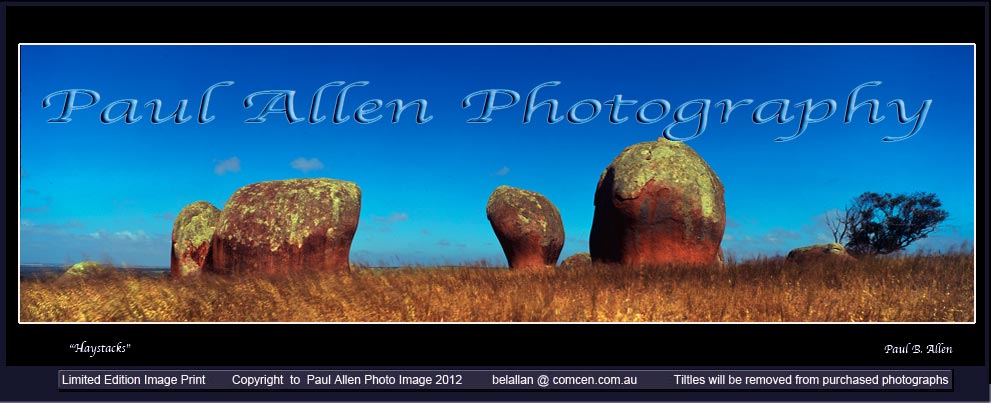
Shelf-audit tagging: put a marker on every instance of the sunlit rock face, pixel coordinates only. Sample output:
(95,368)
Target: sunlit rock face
(191,236)
(528,226)
(287,226)
(658,203)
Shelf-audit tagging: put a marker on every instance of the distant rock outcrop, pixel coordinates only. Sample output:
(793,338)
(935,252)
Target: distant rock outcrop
(528,226)
(580,259)
(85,269)
(191,236)
(287,226)
(658,203)
(821,252)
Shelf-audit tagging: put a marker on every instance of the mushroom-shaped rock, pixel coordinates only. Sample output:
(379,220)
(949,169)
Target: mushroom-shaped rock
(528,226)
(658,203)
(821,252)
(87,268)
(580,259)
(287,226)
(191,236)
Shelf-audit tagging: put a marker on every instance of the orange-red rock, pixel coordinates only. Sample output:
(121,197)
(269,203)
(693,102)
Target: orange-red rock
(191,236)
(287,226)
(528,227)
(658,203)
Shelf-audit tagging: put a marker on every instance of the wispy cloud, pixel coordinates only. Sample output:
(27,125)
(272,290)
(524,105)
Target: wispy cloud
(232,164)
(394,217)
(775,241)
(131,236)
(28,225)
(138,235)
(502,171)
(779,235)
(306,165)
(40,209)
(425,231)
(948,237)
(41,241)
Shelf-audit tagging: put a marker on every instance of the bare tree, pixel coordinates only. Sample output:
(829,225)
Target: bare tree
(837,223)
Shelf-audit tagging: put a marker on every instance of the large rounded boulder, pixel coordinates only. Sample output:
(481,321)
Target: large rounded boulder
(191,236)
(827,252)
(658,203)
(287,226)
(528,226)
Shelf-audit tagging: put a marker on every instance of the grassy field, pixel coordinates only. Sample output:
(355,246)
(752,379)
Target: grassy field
(920,288)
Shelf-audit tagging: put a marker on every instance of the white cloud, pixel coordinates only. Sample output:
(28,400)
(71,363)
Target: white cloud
(306,165)
(131,236)
(229,165)
(502,171)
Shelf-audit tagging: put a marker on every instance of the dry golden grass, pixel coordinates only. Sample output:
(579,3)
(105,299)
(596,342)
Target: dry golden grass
(922,288)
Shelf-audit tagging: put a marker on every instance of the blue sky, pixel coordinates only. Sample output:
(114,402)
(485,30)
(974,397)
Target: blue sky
(99,191)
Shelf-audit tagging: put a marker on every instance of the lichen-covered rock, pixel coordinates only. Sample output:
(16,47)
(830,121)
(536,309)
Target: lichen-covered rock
(87,268)
(191,236)
(580,259)
(528,226)
(821,252)
(658,203)
(287,226)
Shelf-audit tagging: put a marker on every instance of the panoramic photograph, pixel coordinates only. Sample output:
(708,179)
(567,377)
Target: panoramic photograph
(368,183)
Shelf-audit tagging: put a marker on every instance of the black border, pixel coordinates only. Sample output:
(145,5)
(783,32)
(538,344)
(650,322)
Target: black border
(496,345)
